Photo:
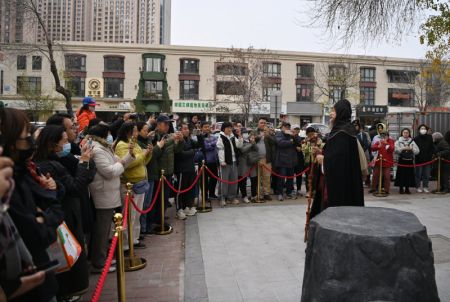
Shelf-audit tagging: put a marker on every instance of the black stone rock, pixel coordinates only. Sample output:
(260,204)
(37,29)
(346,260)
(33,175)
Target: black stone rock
(368,254)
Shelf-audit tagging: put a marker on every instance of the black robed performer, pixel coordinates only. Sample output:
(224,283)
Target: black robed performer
(340,184)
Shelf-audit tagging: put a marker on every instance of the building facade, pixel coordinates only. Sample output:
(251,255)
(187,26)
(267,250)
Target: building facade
(198,80)
(110,21)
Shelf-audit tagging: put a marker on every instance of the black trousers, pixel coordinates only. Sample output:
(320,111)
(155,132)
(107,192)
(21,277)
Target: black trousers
(242,186)
(299,179)
(155,213)
(210,181)
(184,180)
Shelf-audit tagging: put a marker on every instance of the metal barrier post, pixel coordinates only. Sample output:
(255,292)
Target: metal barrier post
(438,185)
(163,229)
(120,266)
(381,192)
(204,208)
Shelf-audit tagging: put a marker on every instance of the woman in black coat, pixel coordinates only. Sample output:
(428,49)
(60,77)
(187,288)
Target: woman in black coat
(34,205)
(52,145)
(341,183)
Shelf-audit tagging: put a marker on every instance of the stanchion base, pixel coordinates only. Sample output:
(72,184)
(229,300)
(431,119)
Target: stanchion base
(134,263)
(259,201)
(439,192)
(204,209)
(167,229)
(380,194)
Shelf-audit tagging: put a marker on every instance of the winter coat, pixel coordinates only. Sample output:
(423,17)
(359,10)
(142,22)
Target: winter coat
(83,119)
(221,147)
(208,144)
(184,158)
(286,153)
(443,149)
(402,143)
(244,153)
(426,147)
(270,144)
(25,200)
(163,159)
(385,149)
(77,278)
(105,188)
(136,170)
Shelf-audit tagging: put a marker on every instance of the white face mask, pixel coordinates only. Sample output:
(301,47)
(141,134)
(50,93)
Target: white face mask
(245,135)
(91,108)
(423,131)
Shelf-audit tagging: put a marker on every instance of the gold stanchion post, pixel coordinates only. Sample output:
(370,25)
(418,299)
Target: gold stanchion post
(204,208)
(163,230)
(381,192)
(120,265)
(132,263)
(258,194)
(438,184)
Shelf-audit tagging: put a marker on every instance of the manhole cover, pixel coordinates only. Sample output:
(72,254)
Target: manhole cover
(441,248)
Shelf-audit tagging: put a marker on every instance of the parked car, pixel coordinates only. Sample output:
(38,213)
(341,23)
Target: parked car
(321,129)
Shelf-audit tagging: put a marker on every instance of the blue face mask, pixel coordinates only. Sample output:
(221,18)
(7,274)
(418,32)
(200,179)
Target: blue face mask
(65,151)
(110,139)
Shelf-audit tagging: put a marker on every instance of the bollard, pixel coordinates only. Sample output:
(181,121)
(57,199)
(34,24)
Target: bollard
(381,192)
(204,208)
(438,185)
(120,265)
(163,230)
(132,263)
(310,200)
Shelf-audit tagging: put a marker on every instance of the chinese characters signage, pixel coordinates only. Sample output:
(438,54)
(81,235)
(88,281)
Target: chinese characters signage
(372,110)
(192,106)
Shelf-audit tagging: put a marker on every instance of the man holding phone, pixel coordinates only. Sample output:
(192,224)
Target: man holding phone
(165,145)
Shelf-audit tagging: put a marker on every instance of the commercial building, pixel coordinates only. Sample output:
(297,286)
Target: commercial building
(208,81)
(110,21)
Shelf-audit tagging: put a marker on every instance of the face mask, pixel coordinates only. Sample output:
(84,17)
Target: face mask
(423,131)
(65,151)
(110,139)
(245,135)
(91,108)
(25,155)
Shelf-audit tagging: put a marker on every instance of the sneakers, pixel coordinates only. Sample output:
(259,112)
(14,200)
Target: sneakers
(425,190)
(419,190)
(181,214)
(280,197)
(245,199)
(223,203)
(299,193)
(235,202)
(190,211)
(291,196)
(99,270)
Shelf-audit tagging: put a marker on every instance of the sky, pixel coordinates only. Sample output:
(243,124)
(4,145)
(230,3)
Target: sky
(271,24)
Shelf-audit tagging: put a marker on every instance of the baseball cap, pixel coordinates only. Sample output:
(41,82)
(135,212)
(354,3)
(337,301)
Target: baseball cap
(296,126)
(90,101)
(163,119)
(285,124)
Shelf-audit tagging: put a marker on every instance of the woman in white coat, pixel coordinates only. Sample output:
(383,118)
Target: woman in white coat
(105,191)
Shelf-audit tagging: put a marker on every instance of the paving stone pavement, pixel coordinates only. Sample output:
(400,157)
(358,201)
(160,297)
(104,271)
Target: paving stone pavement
(256,253)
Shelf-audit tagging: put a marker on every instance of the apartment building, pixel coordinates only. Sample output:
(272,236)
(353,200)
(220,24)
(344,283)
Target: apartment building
(188,79)
(110,21)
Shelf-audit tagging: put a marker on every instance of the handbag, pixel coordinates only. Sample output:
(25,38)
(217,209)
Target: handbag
(362,160)
(141,187)
(407,154)
(66,249)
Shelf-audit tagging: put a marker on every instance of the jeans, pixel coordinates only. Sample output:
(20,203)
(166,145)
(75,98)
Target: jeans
(146,221)
(229,173)
(423,174)
(284,183)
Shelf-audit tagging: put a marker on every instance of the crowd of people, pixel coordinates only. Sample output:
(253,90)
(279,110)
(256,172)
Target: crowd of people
(75,170)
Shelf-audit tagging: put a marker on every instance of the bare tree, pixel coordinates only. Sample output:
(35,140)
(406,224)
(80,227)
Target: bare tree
(239,77)
(366,21)
(35,20)
(337,80)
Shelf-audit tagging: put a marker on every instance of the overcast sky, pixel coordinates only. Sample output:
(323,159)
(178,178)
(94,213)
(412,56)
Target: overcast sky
(272,24)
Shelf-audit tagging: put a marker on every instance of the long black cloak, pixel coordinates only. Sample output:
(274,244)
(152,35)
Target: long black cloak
(343,179)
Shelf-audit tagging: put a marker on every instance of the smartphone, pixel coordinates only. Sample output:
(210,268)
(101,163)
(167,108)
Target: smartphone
(47,267)
(90,142)
(166,136)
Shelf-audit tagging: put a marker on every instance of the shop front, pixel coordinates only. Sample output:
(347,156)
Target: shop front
(367,114)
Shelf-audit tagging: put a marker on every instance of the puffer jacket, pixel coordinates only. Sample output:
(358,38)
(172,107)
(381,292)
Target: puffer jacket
(163,159)
(105,188)
(286,153)
(426,147)
(385,149)
(184,158)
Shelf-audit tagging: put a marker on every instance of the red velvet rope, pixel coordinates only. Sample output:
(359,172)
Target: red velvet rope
(231,182)
(410,166)
(187,189)
(284,176)
(143,212)
(112,248)
(445,160)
